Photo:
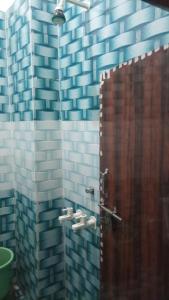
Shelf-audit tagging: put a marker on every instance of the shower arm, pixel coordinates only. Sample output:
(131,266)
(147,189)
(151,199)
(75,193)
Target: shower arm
(84,4)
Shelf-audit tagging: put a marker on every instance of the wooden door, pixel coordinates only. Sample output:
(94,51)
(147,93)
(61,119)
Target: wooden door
(164,4)
(135,149)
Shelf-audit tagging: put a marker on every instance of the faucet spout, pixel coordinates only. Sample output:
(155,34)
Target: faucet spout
(65,218)
(78,226)
(81,224)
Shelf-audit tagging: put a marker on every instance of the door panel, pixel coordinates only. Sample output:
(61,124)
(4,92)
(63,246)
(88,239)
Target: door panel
(135,149)
(161,3)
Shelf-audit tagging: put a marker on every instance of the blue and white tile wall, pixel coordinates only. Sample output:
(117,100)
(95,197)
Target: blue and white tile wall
(7,222)
(38,159)
(7,201)
(36,147)
(19,47)
(110,33)
(26,246)
(82,255)
(48,160)
(5,138)
(38,185)
(80,144)
(24,158)
(6,177)
(39,235)
(81,162)
(45,44)
(4,105)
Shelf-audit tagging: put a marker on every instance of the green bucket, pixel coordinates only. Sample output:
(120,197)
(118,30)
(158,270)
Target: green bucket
(6,259)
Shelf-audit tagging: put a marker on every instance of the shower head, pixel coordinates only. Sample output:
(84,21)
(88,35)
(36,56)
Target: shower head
(59,16)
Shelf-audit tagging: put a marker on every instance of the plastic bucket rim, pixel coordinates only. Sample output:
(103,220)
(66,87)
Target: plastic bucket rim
(11,257)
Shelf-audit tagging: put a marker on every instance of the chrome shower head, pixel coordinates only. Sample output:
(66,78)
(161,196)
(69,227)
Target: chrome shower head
(59,17)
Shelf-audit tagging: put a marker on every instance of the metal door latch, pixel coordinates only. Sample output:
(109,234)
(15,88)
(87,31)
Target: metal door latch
(112,213)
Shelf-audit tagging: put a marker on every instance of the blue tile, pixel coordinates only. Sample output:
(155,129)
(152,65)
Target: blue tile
(41,272)
(7,221)
(82,267)
(108,35)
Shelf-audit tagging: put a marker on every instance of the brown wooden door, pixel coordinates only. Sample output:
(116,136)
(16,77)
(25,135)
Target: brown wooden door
(135,149)
(161,3)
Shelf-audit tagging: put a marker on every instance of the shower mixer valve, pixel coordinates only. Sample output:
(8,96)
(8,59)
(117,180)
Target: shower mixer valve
(69,215)
(82,219)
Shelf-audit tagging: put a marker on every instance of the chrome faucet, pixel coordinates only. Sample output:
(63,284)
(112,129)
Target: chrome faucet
(69,214)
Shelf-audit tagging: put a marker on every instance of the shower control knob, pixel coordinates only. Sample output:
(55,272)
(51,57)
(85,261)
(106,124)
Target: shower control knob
(78,214)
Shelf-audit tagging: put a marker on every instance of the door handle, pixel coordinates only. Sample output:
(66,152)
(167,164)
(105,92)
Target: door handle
(112,213)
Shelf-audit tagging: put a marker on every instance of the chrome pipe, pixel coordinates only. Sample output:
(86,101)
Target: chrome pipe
(84,4)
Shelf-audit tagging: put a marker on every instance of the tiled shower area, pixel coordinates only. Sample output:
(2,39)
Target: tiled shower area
(49,133)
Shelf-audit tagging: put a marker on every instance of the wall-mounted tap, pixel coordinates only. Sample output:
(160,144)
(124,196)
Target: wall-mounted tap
(92,222)
(84,223)
(81,224)
(69,214)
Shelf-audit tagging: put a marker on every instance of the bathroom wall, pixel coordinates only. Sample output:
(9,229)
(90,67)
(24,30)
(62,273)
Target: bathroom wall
(7,201)
(109,34)
(44,38)
(39,248)
(38,232)
(82,254)
(80,146)
(81,162)
(36,148)
(19,61)
(48,151)
(4,107)
(56,155)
